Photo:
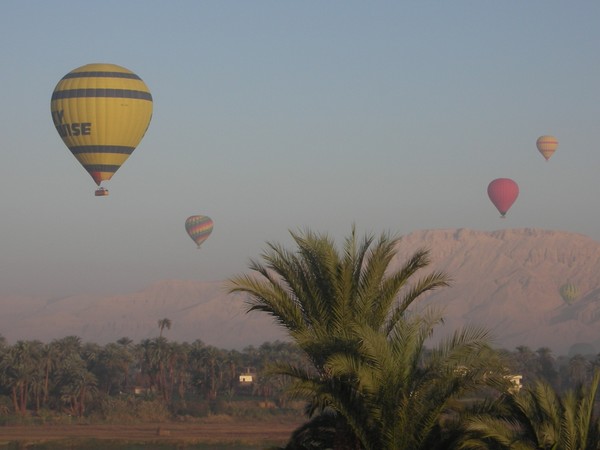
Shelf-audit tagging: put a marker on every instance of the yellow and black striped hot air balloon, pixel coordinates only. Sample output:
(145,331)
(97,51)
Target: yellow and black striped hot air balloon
(101,112)
(569,292)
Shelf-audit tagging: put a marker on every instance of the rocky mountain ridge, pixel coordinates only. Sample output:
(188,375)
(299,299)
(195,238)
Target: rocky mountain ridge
(506,280)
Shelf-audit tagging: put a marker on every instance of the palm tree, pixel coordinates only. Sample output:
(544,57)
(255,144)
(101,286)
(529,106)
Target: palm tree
(77,388)
(401,391)
(547,365)
(317,292)
(69,345)
(527,363)
(196,366)
(579,369)
(175,370)
(20,370)
(210,357)
(49,362)
(127,359)
(111,368)
(164,323)
(348,312)
(539,418)
(155,359)
(394,392)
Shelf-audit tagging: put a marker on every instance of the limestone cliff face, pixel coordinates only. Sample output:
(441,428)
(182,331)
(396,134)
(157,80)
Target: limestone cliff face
(509,281)
(505,280)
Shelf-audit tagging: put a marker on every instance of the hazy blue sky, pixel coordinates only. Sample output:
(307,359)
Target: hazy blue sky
(279,115)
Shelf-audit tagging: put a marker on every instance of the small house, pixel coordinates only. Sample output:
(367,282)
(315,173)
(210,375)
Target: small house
(247,377)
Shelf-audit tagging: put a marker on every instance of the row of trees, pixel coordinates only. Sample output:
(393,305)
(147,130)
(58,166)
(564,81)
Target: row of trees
(562,372)
(372,384)
(68,375)
(72,377)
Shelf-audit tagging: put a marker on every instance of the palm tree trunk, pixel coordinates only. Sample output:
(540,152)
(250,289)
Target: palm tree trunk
(213,382)
(344,438)
(81,406)
(38,401)
(15,401)
(23,399)
(46,383)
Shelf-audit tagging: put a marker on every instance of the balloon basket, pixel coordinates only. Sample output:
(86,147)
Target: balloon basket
(101,192)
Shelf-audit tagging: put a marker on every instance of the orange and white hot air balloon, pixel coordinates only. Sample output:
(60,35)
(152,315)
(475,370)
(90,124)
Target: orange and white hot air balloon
(547,145)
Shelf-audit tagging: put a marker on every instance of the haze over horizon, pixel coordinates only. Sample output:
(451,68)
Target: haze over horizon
(275,116)
(509,282)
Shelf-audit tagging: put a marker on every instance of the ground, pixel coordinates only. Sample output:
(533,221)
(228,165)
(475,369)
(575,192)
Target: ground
(209,431)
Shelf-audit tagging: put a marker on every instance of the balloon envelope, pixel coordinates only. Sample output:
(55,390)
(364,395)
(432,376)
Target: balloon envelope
(101,112)
(547,145)
(199,228)
(569,292)
(503,192)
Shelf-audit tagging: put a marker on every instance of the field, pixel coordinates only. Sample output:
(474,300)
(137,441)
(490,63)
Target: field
(212,430)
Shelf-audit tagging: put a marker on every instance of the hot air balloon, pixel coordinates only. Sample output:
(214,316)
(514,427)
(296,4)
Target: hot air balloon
(101,112)
(569,292)
(199,228)
(503,192)
(547,145)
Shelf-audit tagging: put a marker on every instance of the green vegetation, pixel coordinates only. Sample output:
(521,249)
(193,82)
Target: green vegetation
(371,383)
(538,418)
(357,366)
(67,381)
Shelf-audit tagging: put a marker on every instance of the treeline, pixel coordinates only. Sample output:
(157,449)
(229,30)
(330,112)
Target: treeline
(69,377)
(562,372)
(156,378)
